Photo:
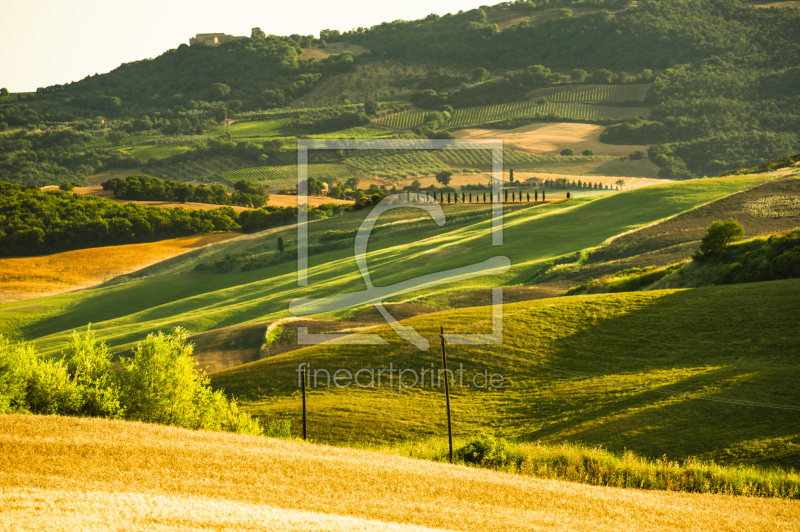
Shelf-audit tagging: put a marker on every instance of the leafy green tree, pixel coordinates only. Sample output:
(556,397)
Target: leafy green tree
(577,74)
(567,152)
(3,92)
(541,100)
(600,76)
(370,107)
(444,177)
(220,90)
(280,244)
(718,237)
(564,13)
(588,152)
(66,186)
(479,74)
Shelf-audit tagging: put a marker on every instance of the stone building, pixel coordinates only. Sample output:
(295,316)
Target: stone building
(211,39)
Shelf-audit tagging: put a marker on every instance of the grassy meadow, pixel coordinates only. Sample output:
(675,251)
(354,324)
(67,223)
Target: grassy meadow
(83,474)
(633,370)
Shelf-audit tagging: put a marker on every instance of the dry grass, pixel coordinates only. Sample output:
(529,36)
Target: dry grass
(550,139)
(30,277)
(332,49)
(86,474)
(278,200)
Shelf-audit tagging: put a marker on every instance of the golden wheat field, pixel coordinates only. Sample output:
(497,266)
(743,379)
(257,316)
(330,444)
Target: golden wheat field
(551,138)
(29,277)
(281,200)
(61,473)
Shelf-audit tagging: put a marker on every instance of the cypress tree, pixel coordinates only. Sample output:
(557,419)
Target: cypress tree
(535,195)
(505,200)
(543,195)
(448,197)
(484,197)
(529,197)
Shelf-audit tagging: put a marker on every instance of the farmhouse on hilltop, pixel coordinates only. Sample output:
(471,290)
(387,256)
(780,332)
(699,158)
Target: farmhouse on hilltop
(213,39)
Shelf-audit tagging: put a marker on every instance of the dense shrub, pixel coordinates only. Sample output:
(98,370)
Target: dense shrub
(488,451)
(159,384)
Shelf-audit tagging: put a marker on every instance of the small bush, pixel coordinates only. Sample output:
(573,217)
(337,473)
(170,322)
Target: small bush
(587,153)
(487,451)
(567,152)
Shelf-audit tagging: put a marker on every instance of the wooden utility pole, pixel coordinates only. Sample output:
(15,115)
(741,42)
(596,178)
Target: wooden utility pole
(304,403)
(447,395)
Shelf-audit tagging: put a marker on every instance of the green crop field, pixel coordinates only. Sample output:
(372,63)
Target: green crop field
(200,170)
(402,120)
(527,109)
(280,175)
(278,127)
(399,165)
(483,158)
(123,314)
(12,96)
(354,133)
(145,154)
(577,111)
(592,93)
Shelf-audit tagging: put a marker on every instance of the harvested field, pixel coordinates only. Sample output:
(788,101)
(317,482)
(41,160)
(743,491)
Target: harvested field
(458,180)
(550,139)
(81,474)
(30,277)
(630,182)
(332,49)
(281,200)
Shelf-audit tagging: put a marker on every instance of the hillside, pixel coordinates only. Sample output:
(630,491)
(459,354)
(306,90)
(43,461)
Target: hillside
(622,371)
(702,98)
(123,313)
(137,477)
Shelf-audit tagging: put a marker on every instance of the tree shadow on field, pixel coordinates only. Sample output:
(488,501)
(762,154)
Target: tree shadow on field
(728,347)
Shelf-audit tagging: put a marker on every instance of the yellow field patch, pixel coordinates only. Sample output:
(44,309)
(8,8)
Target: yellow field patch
(550,139)
(286,200)
(64,473)
(331,49)
(29,277)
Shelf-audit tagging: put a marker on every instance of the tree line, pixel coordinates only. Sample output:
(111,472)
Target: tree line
(35,222)
(144,187)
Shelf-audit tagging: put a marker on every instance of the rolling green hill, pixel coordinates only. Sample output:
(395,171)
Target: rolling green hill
(122,314)
(708,373)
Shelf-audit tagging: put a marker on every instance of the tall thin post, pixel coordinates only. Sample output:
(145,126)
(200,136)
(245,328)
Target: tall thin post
(447,395)
(304,403)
